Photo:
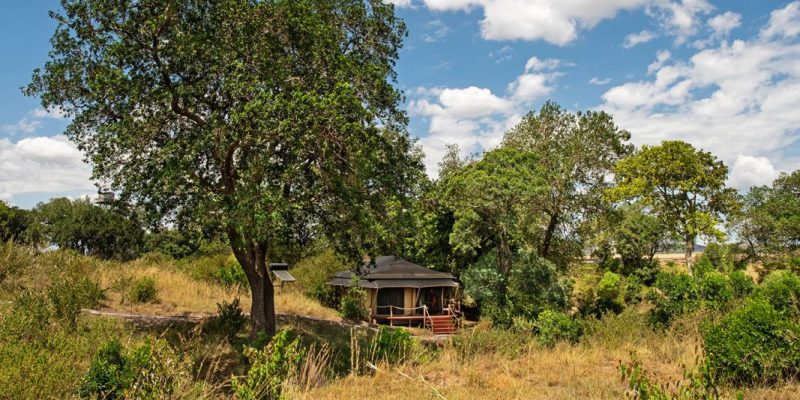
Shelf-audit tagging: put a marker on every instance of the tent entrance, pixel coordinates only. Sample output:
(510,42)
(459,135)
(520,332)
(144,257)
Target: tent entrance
(390,297)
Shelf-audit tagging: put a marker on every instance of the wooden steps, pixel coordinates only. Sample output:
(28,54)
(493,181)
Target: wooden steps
(442,324)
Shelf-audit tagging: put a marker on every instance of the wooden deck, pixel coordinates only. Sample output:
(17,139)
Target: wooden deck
(445,324)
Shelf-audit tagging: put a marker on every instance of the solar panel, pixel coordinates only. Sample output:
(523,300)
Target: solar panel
(284,276)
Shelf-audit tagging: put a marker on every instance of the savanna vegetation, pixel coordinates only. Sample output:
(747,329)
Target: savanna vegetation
(239,133)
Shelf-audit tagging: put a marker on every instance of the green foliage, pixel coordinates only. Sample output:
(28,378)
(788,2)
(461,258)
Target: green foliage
(683,186)
(351,305)
(317,75)
(391,346)
(89,229)
(674,294)
(554,326)
(481,341)
(148,371)
(768,226)
(741,284)
(723,257)
(782,290)
(70,294)
(755,344)
(14,223)
(715,289)
(143,290)
(697,384)
(314,272)
(231,274)
(610,295)
(269,368)
(109,375)
(13,259)
(229,319)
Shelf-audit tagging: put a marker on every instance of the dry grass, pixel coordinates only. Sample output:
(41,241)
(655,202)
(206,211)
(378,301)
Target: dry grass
(178,293)
(588,370)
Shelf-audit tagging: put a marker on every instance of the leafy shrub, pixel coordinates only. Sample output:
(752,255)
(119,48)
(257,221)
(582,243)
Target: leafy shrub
(554,326)
(700,383)
(29,318)
(143,290)
(68,295)
(351,305)
(269,368)
(674,294)
(13,259)
(109,374)
(632,289)
(609,293)
(229,319)
(715,289)
(314,272)
(231,274)
(741,284)
(148,371)
(753,344)
(782,289)
(391,346)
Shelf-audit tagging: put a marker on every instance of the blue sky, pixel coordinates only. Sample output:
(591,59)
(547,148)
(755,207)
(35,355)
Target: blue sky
(724,76)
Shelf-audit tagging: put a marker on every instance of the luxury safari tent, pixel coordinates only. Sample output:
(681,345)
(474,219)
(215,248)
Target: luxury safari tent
(402,293)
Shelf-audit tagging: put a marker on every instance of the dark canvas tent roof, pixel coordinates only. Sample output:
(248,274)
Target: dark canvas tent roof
(391,271)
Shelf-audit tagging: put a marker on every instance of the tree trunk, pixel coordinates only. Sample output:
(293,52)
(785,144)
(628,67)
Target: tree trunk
(252,258)
(548,235)
(262,310)
(688,254)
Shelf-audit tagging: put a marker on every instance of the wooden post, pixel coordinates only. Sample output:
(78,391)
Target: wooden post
(391,316)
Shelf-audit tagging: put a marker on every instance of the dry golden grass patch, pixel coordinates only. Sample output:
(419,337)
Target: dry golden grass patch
(178,293)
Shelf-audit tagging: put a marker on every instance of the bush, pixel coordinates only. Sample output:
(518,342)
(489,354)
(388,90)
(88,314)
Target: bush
(69,295)
(351,305)
(673,294)
(554,326)
(231,274)
(782,289)
(741,284)
(632,289)
(314,272)
(269,369)
(391,346)
(229,319)
(755,344)
(609,293)
(143,290)
(149,371)
(109,374)
(715,289)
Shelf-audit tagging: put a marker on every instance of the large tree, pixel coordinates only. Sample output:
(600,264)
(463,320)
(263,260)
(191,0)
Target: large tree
(278,119)
(769,224)
(575,154)
(683,186)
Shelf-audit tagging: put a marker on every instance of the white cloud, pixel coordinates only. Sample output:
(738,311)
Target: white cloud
(504,54)
(638,38)
(679,19)
(738,100)
(41,164)
(53,113)
(597,81)
(474,118)
(723,24)
(661,57)
(748,171)
(24,125)
(399,3)
(784,22)
(436,30)
(556,22)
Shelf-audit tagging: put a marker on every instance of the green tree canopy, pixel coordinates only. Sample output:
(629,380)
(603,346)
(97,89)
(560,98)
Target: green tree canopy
(14,223)
(683,186)
(574,154)
(277,119)
(769,224)
(82,226)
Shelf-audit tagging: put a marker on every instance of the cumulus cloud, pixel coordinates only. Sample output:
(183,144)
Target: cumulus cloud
(738,100)
(784,22)
(24,125)
(475,118)
(724,23)
(680,19)
(635,39)
(41,164)
(399,3)
(556,22)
